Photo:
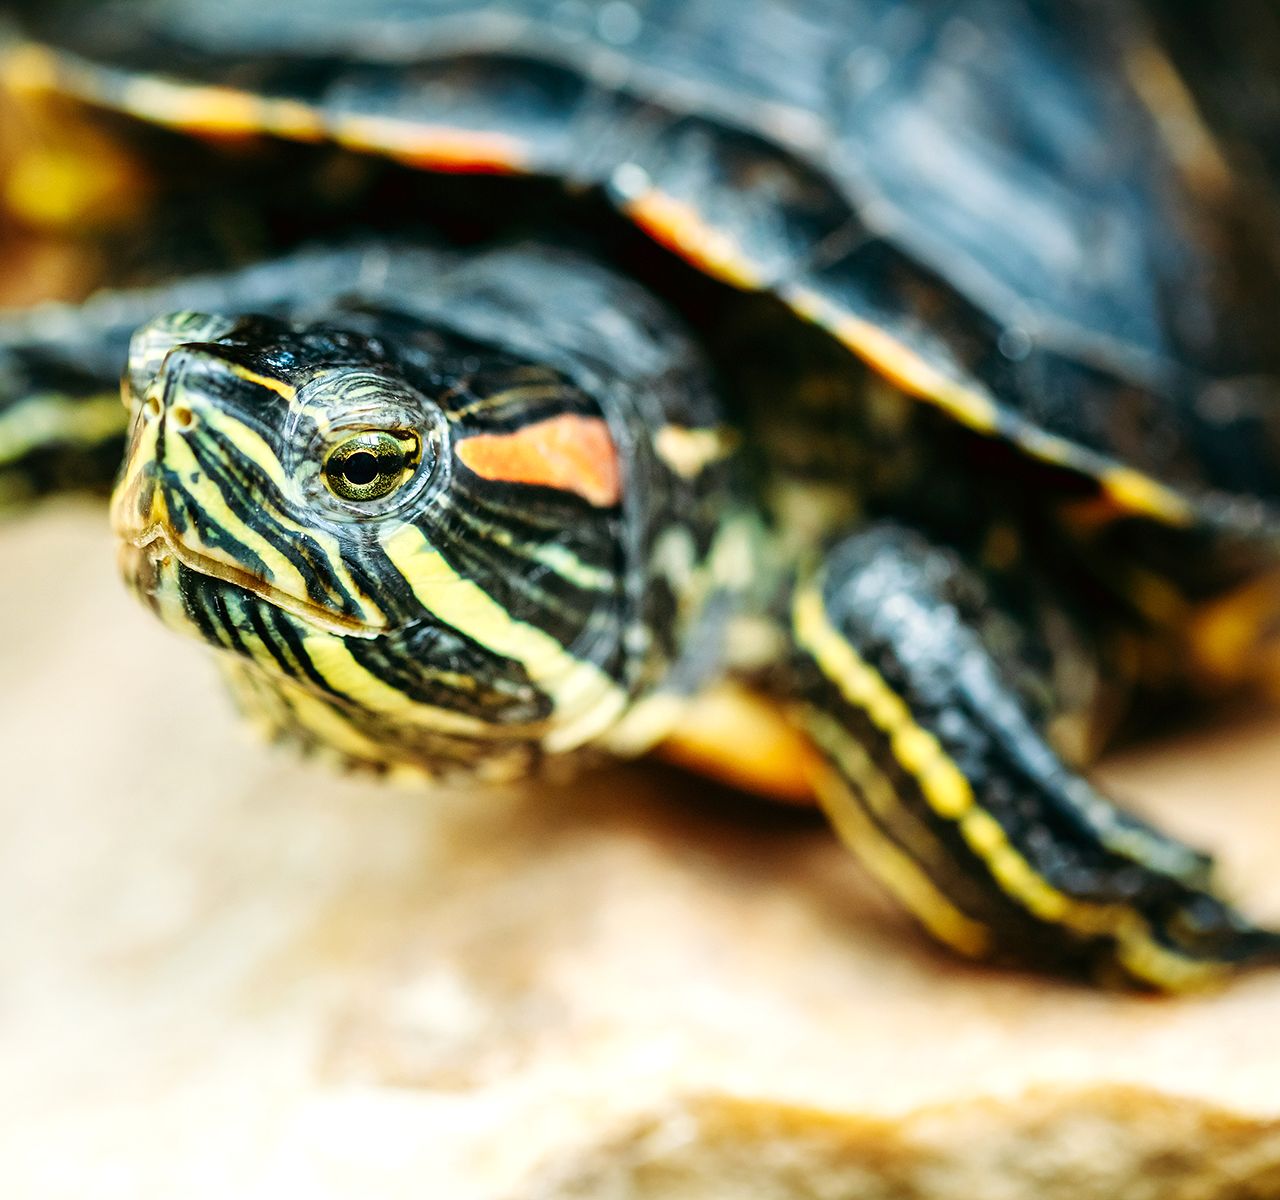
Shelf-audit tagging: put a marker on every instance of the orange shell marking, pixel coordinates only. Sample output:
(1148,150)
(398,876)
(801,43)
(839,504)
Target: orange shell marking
(222,112)
(219,110)
(569,452)
(900,365)
(434,147)
(682,228)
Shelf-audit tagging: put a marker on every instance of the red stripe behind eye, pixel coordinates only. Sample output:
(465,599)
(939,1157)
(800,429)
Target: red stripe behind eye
(569,452)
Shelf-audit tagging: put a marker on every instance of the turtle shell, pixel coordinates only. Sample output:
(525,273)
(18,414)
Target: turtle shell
(1008,207)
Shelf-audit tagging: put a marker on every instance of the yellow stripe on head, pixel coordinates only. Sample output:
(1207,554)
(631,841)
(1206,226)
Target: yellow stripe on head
(335,663)
(586,699)
(282,389)
(217,514)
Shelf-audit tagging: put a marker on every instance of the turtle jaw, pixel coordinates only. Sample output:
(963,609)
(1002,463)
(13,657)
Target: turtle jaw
(149,559)
(165,570)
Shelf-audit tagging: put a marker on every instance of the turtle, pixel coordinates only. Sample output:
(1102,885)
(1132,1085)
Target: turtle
(889,404)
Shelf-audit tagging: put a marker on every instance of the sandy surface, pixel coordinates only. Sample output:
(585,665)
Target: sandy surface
(226,972)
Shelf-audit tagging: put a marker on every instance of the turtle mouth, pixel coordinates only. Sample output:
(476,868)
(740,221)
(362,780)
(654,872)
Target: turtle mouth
(144,553)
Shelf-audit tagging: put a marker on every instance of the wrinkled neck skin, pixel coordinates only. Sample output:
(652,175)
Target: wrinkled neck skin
(554,572)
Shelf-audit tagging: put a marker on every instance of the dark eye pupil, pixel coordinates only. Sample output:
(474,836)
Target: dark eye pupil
(370,465)
(360,468)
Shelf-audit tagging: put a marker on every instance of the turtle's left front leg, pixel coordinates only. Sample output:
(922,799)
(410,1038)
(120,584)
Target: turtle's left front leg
(937,771)
(62,424)
(62,421)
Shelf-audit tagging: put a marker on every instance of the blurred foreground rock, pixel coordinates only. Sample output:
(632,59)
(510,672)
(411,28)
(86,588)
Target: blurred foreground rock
(228,974)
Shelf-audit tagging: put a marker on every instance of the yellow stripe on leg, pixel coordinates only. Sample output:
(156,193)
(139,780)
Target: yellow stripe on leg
(950,796)
(898,870)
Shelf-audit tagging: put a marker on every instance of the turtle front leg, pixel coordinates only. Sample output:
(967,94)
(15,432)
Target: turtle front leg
(937,772)
(62,422)
(62,425)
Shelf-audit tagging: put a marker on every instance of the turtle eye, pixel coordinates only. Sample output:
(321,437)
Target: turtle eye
(371,465)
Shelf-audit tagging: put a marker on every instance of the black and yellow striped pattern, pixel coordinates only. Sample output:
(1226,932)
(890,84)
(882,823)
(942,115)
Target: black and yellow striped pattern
(61,425)
(397,620)
(936,778)
(526,591)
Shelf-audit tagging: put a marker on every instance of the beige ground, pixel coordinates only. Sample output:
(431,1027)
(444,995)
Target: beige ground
(227,974)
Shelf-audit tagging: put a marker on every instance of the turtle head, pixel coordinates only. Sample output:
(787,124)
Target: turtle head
(407,544)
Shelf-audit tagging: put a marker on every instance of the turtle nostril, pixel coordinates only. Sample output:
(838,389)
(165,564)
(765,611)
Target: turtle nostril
(182,417)
(152,407)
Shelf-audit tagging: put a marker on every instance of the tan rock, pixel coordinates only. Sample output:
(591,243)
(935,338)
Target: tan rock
(229,974)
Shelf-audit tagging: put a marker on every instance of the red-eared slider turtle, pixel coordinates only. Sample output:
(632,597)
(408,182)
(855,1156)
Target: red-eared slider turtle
(977,430)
